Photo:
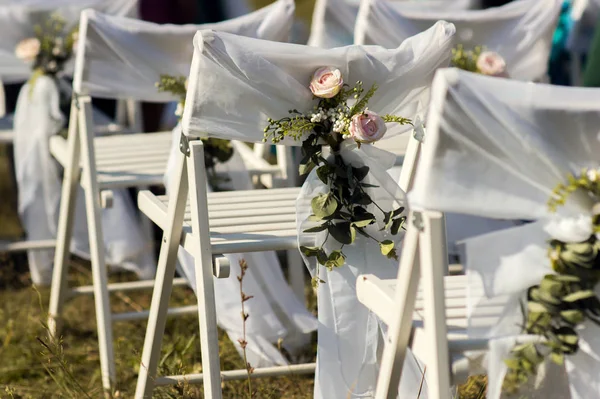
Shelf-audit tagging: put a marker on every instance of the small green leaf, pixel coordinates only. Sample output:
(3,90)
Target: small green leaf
(557,358)
(309,251)
(323,173)
(362,223)
(386,247)
(360,173)
(336,259)
(366,185)
(573,316)
(343,232)
(316,229)
(398,212)
(578,296)
(324,205)
(305,168)
(534,307)
(322,256)
(397,225)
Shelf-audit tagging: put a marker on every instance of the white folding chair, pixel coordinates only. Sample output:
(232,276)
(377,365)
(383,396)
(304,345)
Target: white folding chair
(124,58)
(333,21)
(230,97)
(17,22)
(495,148)
(521,31)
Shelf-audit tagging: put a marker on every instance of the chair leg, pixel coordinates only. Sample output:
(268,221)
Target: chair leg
(164,282)
(99,273)
(398,336)
(434,259)
(209,341)
(70,185)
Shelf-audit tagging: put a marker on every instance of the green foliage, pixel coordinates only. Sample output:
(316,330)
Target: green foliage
(342,212)
(174,85)
(562,301)
(56,46)
(465,59)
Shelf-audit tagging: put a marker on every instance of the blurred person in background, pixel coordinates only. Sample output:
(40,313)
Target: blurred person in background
(177,12)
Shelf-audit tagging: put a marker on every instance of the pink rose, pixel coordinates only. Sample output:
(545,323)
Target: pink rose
(28,49)
(492,64)
(326,82)
(367,127)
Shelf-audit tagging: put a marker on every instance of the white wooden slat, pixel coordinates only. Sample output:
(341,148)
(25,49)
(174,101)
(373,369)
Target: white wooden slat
(17,246)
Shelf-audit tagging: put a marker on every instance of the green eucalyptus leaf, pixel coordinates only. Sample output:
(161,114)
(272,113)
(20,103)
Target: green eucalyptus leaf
(386,247)
(323,173)
(305,168)
(362,223)
(324,205)
(397,225)
(366,185)
(535,307)
(578,296)
(557,358)
(398,212)
(336,259)
(360,173)
(309,251)
(322,256)
(316,229)
(573,316)
(343,232)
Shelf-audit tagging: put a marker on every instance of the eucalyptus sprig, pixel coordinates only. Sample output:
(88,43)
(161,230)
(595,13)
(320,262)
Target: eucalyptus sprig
(345,210)
(562,301)
(465,59)
(215,150)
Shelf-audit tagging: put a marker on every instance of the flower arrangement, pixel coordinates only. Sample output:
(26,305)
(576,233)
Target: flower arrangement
(340,118)
(563,301)
(215,150)
(50,49)
(479,61)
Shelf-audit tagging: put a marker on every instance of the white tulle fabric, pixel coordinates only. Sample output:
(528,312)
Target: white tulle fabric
(237,83)
(38,117)
(124,58)
(521,31)
(497,148)
(333,21)
(18,19)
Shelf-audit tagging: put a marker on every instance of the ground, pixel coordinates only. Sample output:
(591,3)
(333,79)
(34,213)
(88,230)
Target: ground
(33,367)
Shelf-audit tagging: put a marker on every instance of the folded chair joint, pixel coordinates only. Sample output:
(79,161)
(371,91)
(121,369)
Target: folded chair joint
(184,144)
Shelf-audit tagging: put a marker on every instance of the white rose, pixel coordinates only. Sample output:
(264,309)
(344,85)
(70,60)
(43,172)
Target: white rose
(570,229)
(492,64)
(367,127)
(326,82)
(28,49)
(179,109)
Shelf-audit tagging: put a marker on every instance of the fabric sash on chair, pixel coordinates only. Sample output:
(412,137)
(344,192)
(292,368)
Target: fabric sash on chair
(521,31)
(237,83)
(37,118)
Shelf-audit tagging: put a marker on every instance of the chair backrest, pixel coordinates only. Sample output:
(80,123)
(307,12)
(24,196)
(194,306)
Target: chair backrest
(333,21)
(18,19)
(521,31)
(497,148)
(236,83)
(120,57)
